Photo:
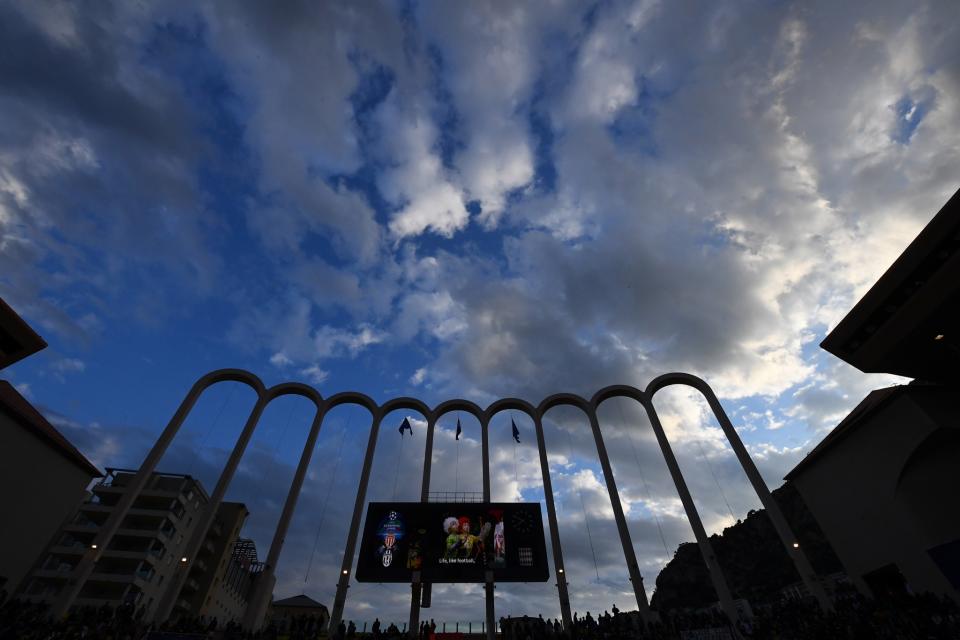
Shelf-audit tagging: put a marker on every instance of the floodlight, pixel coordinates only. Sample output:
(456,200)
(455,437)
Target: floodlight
(183,559)
(93,546)
(939,336)
(796,545)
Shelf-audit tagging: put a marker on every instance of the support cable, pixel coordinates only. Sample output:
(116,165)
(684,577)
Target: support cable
(586,520)
(272,465)
(643,479)
(396,475)
(456,486)
(326,498)
(715,480)
(213,425)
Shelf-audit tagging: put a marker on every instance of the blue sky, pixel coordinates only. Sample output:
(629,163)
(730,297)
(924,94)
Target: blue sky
(464,200)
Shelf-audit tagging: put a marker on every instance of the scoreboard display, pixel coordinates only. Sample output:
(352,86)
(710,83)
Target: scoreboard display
(453,542)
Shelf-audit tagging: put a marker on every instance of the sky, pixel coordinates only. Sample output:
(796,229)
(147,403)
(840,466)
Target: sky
(471,200)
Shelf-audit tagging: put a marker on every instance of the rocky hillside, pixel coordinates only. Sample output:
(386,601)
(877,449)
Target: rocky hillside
(751,555)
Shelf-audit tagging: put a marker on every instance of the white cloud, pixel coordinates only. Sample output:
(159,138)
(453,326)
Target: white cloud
(280,360)
(64,366)
(315,374)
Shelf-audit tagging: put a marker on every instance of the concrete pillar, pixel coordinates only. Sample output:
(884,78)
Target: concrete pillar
(625,541)
(491,612)
(344,581)
(489,586)
(414,605)
(172,592)
(787,537)
(260,600)
(416,587)
(554,529)
(706,549)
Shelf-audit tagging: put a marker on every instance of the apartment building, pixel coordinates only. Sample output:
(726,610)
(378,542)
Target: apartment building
(139,563)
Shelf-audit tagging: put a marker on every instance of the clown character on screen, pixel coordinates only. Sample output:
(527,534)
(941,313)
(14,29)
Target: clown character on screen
(451,526)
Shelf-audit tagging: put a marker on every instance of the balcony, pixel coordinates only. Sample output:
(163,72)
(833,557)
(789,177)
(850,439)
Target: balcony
(75,549)
(53,574)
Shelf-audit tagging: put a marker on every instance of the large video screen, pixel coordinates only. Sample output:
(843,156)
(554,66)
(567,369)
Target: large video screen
(453,542)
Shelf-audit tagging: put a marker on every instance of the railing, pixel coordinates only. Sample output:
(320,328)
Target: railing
(455,496)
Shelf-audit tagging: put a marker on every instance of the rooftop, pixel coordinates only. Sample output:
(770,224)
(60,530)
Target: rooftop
(17,339)
(908,323)
(17,407)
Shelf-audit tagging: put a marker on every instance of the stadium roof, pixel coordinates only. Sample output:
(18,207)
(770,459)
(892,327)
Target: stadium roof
(908,323)
(17,339)
(21,411)
(299,601)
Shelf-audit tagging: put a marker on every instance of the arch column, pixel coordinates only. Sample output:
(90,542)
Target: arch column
(552,520)
(179,577)
(263,587)
(787,537)
(344,581)
(693,517)
(417,587)
(628,553)
(488,586)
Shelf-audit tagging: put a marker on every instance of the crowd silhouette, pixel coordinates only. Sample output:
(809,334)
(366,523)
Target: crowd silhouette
(855,617)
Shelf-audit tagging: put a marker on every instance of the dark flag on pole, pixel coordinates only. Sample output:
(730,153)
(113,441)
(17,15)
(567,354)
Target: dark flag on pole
(459,429)
(516,432)
(405,425)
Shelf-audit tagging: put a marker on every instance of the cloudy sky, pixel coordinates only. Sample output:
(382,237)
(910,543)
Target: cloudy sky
(464,200)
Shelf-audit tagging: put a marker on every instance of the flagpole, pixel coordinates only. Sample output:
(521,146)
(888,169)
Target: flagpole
(456,486)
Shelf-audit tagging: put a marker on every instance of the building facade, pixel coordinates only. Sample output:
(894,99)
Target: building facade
(883,488)
(137,567)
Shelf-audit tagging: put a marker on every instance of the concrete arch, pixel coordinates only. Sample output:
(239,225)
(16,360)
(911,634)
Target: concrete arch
(294,389)
(459,404)
(617,391)
(508,404)
(559,570)
(629,555)
(558,399)
(353,397)
(410,404)
(787,537)
(536,413)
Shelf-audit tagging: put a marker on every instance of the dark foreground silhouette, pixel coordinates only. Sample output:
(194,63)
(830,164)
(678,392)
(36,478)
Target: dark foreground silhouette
(908,617)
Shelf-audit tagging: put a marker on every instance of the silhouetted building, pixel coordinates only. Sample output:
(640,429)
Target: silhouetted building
(883,487)
(17,339)
(883,484)
(908,323)
(146,551)
(46,477)
(300,609)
